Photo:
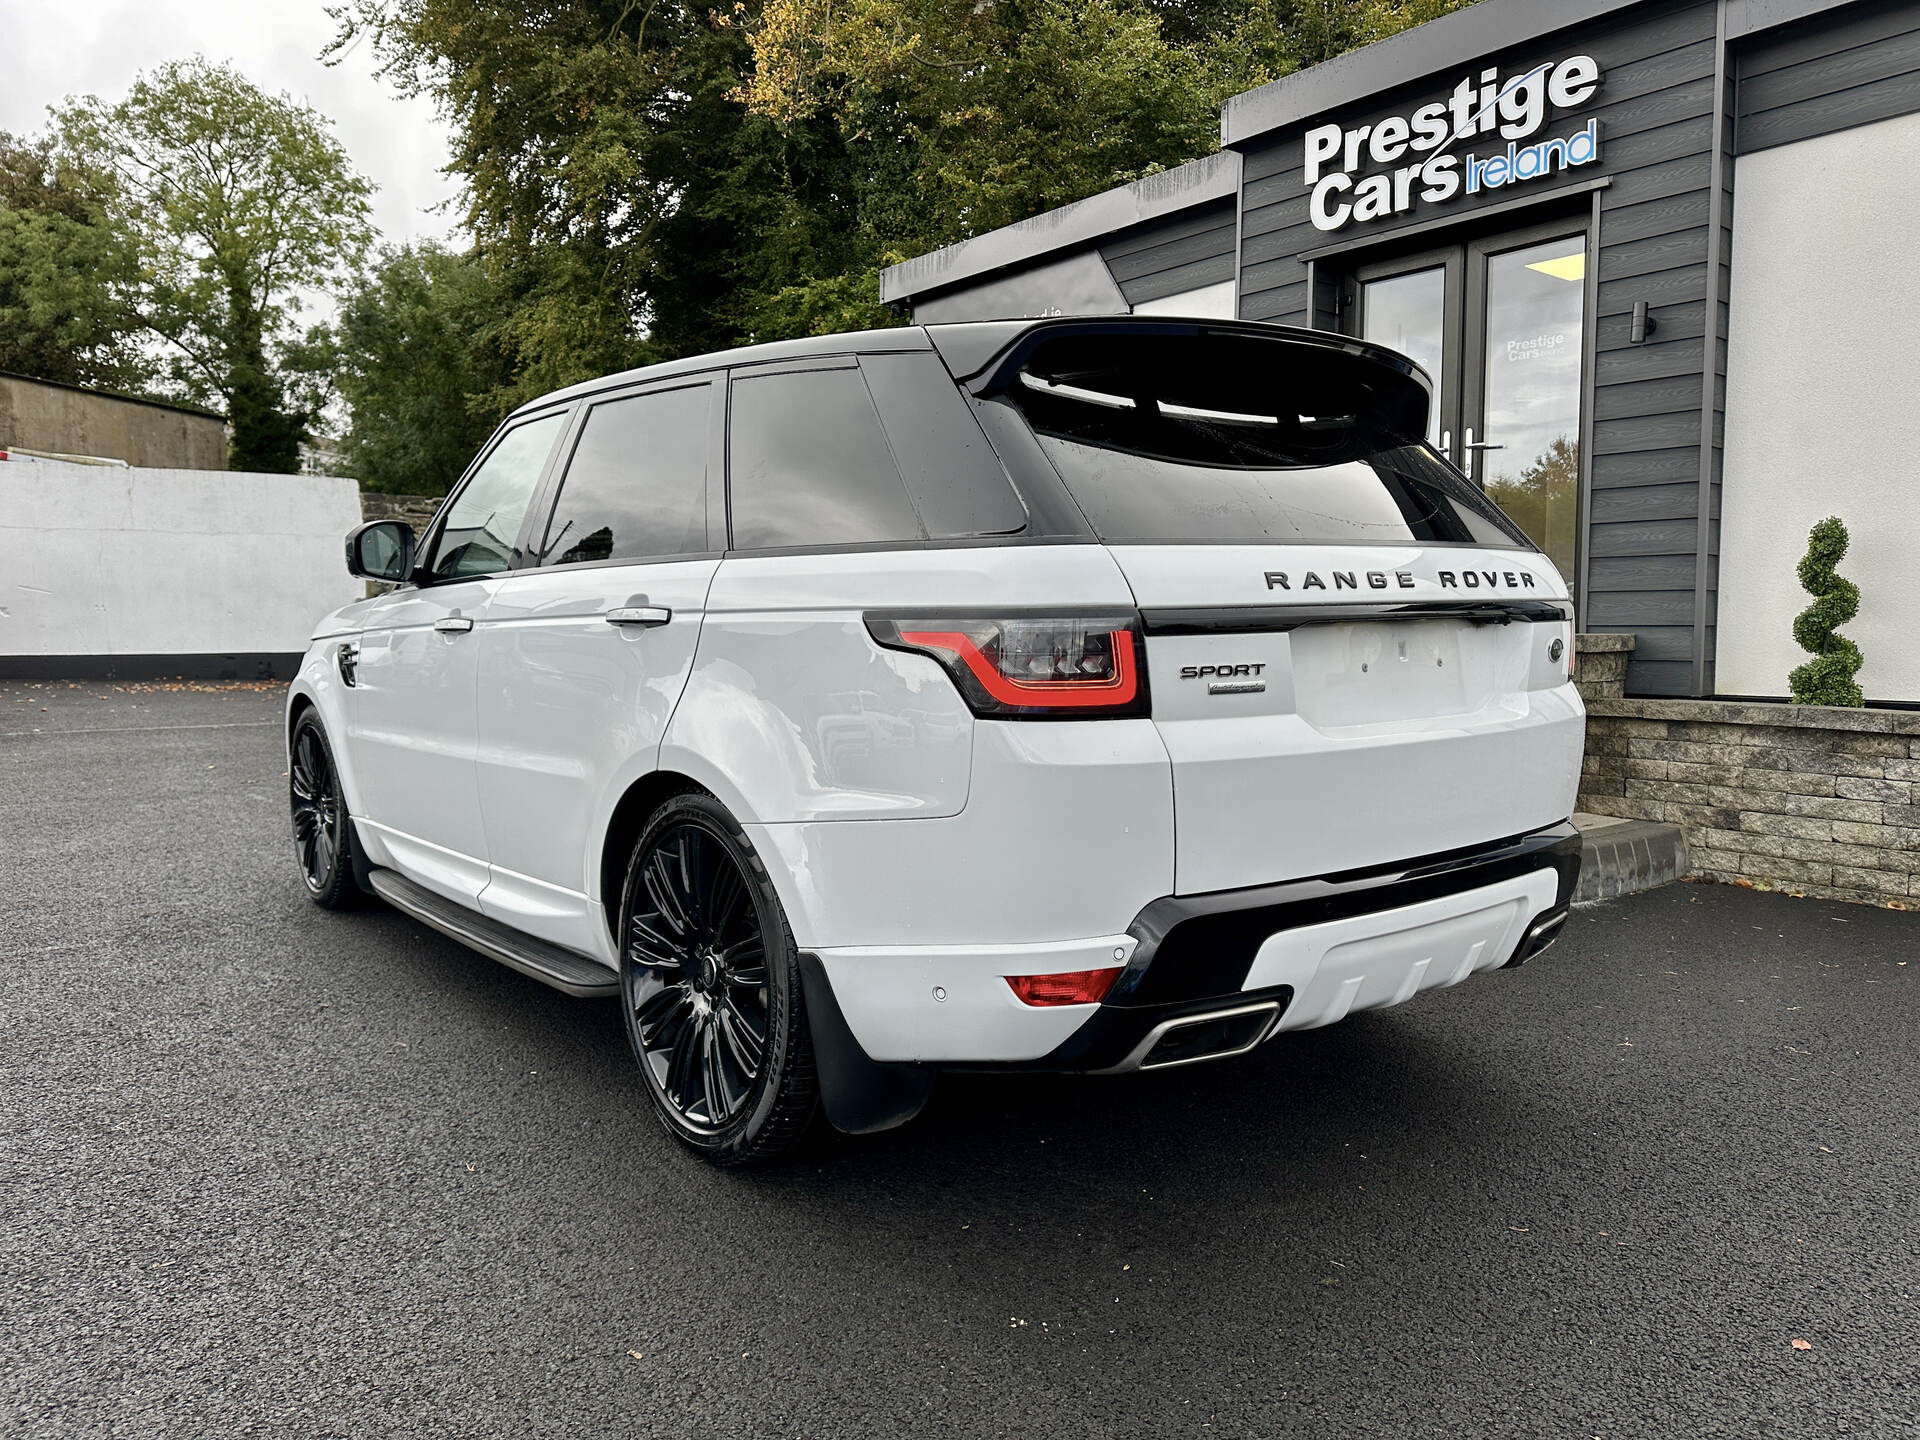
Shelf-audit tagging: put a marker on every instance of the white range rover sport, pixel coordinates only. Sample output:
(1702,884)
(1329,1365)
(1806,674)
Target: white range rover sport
(1093,695)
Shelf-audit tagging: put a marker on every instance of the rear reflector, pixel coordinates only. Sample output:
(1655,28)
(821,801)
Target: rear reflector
(1070,987)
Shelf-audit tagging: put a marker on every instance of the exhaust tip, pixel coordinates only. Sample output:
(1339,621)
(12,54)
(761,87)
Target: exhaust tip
(1213,1036)
(1541,934)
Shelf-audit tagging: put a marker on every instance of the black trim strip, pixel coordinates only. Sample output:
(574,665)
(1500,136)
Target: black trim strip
(228,665)
(1261,619)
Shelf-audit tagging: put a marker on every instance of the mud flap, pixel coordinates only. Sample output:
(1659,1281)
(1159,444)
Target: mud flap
(861,1095)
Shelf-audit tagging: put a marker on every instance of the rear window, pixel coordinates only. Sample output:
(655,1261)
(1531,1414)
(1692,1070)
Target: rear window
(1220,437)
(808,465)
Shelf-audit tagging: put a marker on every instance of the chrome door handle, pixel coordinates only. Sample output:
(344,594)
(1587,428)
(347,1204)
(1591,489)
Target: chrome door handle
(453,625)
(644,615)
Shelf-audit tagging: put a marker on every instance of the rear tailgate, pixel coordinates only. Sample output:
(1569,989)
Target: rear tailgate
(1334,708)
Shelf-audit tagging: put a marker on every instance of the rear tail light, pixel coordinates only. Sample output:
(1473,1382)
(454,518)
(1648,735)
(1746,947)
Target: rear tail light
(1061,667)
(1071,987)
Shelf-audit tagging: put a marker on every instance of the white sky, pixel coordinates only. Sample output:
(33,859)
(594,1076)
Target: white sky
(50,49)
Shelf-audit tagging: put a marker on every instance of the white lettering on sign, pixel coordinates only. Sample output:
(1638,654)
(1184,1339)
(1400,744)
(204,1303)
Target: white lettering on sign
(1513,110)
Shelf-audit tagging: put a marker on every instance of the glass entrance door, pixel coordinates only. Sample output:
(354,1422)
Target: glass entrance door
(1500,325)
(1527,335)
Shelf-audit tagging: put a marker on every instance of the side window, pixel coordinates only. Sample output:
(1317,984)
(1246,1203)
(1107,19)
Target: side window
(477,536)
(636,486)
(955,479)
(808,465)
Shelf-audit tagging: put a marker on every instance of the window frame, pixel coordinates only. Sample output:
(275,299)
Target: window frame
(429,543)
(546,498)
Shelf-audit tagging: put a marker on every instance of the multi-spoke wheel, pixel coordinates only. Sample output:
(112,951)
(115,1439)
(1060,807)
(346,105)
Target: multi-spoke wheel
(322,836)
(710,982)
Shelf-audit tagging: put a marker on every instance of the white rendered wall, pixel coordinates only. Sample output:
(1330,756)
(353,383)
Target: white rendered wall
(1823,370)
(100,560)
(1209,302)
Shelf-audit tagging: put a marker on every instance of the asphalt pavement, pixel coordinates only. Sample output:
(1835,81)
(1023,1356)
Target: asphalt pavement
(274,1171)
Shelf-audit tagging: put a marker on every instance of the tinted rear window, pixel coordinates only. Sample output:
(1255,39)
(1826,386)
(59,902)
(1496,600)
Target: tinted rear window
(1217,437)
(807,464)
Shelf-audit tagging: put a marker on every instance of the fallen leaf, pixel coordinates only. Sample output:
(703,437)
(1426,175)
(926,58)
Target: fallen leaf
(1803,1344)
(636,1354)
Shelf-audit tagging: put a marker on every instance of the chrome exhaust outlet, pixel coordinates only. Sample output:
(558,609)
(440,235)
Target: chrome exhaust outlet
(1210,1035)
(1541,934)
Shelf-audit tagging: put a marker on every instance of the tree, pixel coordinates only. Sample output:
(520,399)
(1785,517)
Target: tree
(653,178)
(1826,679)
(240,200)
(66,274)
(414,356)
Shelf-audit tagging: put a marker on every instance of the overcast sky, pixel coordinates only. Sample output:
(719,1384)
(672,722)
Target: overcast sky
(55,48)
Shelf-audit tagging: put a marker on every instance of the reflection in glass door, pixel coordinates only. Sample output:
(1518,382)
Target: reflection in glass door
(1531,329)
(1500,324)
(1408,311)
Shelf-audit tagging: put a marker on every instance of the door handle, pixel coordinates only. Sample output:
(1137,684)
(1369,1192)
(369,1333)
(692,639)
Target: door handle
(642,615)
(453,625)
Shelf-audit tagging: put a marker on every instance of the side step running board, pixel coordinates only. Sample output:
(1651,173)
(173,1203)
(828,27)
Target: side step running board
(562,969)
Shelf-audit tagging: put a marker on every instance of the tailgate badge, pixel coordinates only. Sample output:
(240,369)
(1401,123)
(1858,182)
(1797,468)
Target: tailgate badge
(1227,679)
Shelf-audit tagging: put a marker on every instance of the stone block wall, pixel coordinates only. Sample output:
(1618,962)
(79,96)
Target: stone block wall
(1824,802)
(416,510)
(1602,670)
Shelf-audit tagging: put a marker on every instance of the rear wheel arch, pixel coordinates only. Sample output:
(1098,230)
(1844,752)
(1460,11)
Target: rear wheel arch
(630,815)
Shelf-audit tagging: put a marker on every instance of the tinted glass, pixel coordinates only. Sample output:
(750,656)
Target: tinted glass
(808,465)
(636,486)
(484,521)
(1235,438)
(952,474)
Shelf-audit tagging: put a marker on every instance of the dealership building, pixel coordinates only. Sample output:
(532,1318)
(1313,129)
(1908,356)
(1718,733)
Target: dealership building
(1659,257)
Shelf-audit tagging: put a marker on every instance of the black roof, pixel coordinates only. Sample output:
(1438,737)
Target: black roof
(968,347)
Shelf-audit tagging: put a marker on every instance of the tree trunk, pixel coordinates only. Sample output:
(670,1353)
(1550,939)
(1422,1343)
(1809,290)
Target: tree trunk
(262,435)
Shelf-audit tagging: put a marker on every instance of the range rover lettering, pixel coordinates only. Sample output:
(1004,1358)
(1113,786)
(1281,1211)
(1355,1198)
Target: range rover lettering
(1088,695)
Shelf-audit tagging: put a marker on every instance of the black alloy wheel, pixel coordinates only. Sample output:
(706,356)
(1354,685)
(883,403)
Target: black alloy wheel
(710,981)
(322,836)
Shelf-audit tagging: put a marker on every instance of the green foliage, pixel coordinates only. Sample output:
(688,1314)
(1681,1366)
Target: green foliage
(1827,679)
(414,356)
(653,178)
(66,272)
(237,200)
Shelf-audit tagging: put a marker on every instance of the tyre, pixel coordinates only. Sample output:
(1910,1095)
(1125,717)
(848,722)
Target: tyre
(710,985)
(322,833)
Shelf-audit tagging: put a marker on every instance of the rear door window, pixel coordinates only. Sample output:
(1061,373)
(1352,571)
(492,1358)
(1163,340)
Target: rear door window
(807,463)
(636,486)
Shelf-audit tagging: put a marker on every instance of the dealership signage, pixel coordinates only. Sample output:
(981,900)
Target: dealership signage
(1415,159)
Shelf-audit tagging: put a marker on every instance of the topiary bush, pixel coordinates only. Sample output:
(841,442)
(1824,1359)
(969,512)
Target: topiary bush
(1826,679)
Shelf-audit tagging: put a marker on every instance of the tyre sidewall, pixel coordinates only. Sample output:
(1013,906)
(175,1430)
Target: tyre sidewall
(741,1138)
(340,889)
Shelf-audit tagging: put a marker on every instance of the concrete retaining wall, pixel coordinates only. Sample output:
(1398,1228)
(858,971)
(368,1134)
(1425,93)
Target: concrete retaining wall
(136,565)
(67,420)
(1821,801)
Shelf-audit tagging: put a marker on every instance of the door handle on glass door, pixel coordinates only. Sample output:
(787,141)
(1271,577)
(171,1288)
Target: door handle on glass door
(453,625)
(643,615)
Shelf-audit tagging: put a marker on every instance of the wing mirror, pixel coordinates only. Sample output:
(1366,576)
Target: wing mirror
(381,550)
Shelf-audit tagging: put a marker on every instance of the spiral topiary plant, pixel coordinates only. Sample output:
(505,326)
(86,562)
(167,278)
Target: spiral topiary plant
(1826,679)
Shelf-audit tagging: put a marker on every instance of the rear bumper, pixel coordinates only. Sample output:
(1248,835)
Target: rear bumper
(1203,976)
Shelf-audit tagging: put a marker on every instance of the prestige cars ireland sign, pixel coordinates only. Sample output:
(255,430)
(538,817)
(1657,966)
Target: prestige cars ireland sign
(1415,159)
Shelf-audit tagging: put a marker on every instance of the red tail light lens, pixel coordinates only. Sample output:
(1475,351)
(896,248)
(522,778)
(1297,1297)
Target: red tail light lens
(1063,667)
(1071,987)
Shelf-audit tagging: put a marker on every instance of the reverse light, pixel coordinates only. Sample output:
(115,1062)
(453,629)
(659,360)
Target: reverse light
(1062,667)
(1068,987)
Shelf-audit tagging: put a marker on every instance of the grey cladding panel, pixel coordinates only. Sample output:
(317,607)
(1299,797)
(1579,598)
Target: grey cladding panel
(1181,253)
(1829,73)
